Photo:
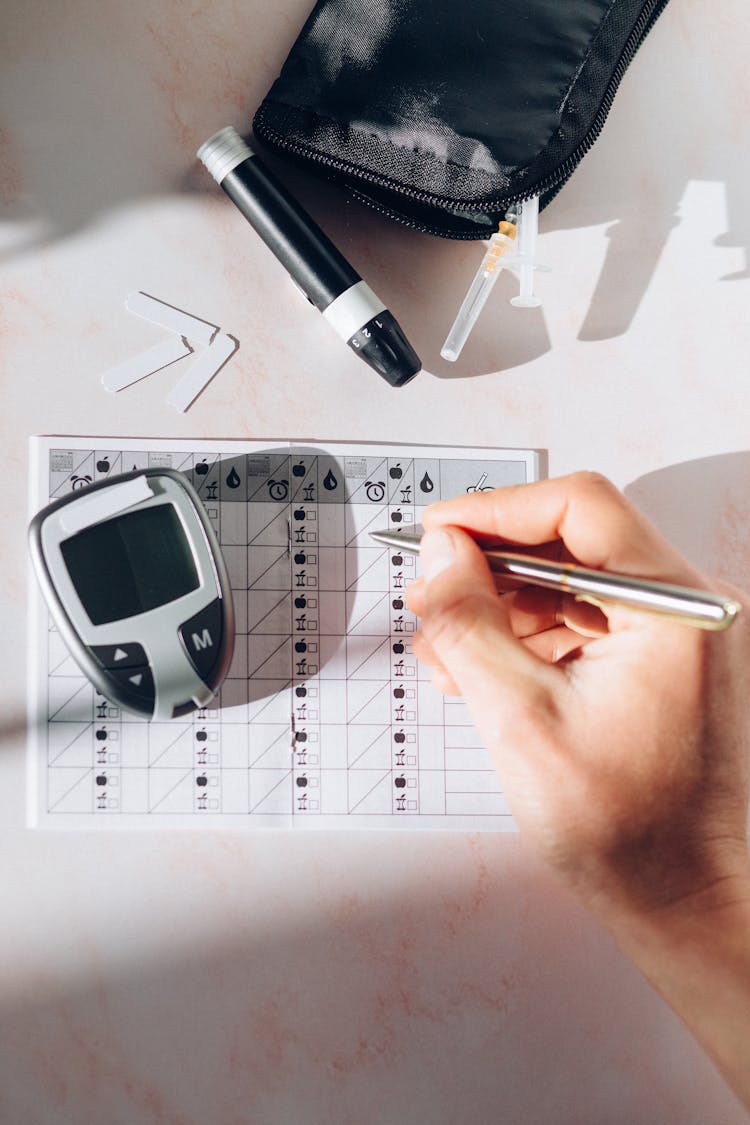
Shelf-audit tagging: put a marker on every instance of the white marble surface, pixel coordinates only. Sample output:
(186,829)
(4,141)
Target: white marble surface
(233,978)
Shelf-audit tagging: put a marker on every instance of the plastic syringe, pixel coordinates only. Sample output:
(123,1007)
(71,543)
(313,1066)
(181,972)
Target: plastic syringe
(500,244)
(528,224)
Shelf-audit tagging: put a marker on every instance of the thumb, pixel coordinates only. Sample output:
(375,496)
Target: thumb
(465,622)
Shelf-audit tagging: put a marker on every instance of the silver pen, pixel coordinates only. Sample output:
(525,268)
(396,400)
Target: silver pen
(681,603)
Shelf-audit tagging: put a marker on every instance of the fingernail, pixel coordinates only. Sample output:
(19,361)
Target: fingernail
(437,552)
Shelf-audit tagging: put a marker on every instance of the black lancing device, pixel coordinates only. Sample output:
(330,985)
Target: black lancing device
(323,274)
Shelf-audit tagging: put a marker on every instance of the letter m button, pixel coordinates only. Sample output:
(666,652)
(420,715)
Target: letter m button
(201,640)
(202,636)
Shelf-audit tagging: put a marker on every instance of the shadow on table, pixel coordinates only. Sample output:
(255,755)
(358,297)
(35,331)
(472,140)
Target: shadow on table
(469,992)
(703,508)
(108,112)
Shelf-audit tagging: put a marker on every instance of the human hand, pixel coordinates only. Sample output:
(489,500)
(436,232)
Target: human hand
(621,738)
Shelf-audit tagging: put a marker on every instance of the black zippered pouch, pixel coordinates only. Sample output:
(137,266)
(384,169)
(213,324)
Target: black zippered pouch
(442,114)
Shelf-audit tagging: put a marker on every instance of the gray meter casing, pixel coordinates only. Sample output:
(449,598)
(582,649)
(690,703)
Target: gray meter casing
(170,648)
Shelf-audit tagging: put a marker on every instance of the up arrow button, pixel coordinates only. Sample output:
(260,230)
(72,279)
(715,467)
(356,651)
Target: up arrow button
(125,655)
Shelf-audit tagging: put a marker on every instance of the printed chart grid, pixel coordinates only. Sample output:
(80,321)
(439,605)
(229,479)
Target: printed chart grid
(326,717)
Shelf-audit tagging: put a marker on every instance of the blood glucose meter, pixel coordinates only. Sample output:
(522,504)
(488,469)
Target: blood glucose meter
(135,581)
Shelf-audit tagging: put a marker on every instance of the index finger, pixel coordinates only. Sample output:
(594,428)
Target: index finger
(598,526)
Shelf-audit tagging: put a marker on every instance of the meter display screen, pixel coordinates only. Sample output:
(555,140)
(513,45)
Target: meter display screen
(130,564)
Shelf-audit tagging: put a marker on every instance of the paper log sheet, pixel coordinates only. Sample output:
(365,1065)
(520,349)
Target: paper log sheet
(326,718)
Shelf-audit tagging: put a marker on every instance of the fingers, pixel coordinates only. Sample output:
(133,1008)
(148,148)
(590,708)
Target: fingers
(551,646)
(552,626)
(533,610)
(423,650)
(555,645)
(415,593)
(594,521)
(466,633)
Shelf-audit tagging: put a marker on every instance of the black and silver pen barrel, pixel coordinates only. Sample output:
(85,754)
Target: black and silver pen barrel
(699,608)
(321,271)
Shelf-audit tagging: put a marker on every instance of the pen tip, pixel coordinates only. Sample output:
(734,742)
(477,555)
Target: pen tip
(407,539)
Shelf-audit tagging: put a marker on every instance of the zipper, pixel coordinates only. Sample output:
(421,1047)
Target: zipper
(546,188)
(641,28)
